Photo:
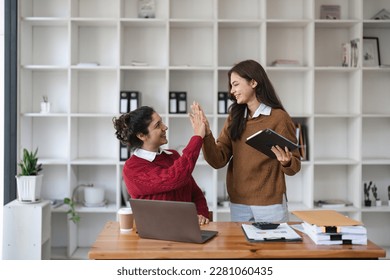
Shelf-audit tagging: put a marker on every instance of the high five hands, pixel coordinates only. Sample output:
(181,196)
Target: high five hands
(198,119)
(282,155)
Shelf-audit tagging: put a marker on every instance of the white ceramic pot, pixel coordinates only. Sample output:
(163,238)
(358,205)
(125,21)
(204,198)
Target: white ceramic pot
(93,195)
(29,188)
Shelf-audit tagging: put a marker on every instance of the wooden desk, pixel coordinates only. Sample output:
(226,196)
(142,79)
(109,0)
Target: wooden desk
(230,243)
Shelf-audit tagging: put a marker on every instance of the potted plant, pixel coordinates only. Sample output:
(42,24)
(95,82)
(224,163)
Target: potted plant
(367,188)
(45,105)
(29,181)
(378,202)
(72,201)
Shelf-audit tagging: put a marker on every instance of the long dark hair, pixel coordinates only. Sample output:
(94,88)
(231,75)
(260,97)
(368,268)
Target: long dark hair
(265,93)
(129,125)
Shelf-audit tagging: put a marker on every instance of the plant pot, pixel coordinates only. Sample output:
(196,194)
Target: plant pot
(29,188)
(93,196)
(45,107)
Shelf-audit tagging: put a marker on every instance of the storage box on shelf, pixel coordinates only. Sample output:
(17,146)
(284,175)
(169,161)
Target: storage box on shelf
(82,53)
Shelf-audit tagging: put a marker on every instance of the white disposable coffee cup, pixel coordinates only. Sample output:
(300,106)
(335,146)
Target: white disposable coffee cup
(126,219)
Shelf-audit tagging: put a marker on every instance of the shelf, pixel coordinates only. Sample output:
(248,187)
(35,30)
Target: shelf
(60,253)
(99,9)
(339,209)
(28,234)
(383,208)
(187,9)
(109,208)
(336,24)
(248,9)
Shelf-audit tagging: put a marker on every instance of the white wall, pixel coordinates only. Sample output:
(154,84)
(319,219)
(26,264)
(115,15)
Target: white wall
(1,122)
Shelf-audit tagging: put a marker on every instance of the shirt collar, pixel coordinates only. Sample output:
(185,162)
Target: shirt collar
(148,155)
(261,110)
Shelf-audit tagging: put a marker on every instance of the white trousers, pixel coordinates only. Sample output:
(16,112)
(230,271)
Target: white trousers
(250,213)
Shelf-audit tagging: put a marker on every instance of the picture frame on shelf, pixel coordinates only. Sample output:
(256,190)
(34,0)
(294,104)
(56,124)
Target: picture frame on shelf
(371,54)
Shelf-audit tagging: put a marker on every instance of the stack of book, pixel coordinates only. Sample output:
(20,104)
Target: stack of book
(285,63)
(328,227)
(356,235)
(332,203)
(301,134)
(351,53)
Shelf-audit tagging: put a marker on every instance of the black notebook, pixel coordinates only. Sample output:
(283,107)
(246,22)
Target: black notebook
(263,141)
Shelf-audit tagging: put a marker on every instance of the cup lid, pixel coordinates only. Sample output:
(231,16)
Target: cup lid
(125,211)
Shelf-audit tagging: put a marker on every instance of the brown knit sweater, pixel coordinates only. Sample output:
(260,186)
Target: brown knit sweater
(252,177)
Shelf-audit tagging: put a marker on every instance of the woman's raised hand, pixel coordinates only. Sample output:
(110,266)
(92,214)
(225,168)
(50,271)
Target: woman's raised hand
(197,122)
(196,109)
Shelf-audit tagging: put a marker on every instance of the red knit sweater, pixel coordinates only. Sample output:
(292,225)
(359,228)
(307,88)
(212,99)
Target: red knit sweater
(168,177)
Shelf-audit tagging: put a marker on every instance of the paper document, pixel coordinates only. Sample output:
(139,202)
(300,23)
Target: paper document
(283,233)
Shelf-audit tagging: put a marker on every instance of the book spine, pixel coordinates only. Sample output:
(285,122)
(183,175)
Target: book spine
(346,54)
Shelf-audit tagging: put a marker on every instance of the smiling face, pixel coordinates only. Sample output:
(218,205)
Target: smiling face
(242,90)
(157,134)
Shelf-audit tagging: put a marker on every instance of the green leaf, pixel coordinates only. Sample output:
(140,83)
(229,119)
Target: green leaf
(73,215)
(29,164)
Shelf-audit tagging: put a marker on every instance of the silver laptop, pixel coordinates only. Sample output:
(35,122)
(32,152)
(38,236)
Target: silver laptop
(168,220)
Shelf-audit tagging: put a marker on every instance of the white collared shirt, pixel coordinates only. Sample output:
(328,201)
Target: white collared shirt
(148,155)
(261,110)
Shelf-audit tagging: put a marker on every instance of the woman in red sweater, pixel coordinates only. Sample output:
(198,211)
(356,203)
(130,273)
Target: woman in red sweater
(155,173)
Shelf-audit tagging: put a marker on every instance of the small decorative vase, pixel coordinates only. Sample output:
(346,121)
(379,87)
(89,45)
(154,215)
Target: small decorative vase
(45,107)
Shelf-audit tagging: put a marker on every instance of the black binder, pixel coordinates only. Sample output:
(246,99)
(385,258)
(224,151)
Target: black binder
(222,102)
(124,152)
(182,102)
(172,102)
(129,101)
(263,141)
(134,102)
(124,102)
(177,102)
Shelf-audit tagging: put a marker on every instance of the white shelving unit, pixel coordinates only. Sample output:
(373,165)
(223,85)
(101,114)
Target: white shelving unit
(189,46)
(28,234)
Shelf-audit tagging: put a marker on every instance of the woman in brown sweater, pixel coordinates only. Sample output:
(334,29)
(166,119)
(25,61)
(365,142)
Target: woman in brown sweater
(255,182)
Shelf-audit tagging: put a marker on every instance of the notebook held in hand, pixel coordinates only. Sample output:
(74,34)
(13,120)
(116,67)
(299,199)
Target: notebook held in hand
(263,141)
